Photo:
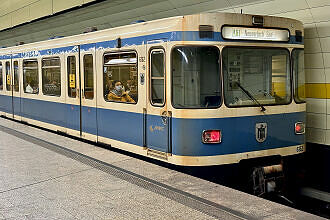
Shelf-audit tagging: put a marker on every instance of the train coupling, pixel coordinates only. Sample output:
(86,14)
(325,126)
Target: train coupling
(267,179)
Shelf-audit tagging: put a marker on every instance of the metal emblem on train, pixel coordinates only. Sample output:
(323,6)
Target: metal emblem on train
(261,132)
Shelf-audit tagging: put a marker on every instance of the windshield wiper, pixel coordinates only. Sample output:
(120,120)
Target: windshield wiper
(251,97)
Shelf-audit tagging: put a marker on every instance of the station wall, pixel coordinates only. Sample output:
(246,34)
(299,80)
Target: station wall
(106,14)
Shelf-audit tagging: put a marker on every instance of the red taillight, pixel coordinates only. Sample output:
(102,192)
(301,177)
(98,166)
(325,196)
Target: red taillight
(299,128)
(211,136)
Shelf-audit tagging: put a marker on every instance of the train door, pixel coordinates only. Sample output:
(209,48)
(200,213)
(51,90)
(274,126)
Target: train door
(88,93)
(16,90)
(73,92)
(8,102)
(158,118)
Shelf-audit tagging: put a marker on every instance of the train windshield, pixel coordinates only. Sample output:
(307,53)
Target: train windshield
(195,77)
(263,73)
(299,75)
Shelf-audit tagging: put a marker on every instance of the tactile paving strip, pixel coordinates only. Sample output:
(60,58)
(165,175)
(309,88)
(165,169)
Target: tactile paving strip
(205,206)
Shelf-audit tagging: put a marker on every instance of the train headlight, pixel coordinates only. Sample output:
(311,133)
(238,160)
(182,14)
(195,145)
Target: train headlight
(211,137)
(299,128)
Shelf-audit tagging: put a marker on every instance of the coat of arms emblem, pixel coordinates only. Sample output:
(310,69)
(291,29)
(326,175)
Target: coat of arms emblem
(261,132)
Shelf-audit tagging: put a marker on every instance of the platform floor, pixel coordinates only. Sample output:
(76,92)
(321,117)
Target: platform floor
(48,176)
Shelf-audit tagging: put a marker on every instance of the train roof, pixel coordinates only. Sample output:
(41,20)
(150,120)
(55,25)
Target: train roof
(165,25)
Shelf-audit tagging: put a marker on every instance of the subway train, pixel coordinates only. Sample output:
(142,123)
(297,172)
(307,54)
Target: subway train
(195,90)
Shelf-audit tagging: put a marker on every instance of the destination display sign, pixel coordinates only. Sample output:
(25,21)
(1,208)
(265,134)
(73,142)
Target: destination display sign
(262,34)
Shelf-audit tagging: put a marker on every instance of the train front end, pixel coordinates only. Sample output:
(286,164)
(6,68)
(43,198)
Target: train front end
(238,94)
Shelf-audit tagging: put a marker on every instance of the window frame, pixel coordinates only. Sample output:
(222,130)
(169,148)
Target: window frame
(160,48)
(36,60)
(259,47)
(137,70)
(294,78)
(1,76)
(42,67)
(221,94)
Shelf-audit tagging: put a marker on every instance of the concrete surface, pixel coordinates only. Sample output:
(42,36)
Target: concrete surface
(38,183)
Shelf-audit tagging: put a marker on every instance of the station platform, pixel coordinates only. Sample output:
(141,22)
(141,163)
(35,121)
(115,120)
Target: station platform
(44,175)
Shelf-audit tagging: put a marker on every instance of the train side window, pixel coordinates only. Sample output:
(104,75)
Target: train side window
(120,81)
(299,75)
(16,77)
(1,77)
(51,76)
(8,80)
(88,77)
(31,76)
(157,77)
(71,71)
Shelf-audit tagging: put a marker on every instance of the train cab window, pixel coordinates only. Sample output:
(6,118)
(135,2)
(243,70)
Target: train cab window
(8,78)
(299,75)
(88,77)
(51,76)
(16,77)
(31,76)
(1,77)
(157,77)
(120,80)
(196,77)
(254,76)
(71,71)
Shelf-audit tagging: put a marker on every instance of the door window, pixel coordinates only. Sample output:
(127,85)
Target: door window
(71,71)
(16,77)
(157,78)
(1,77)
(8,80)
(88,77)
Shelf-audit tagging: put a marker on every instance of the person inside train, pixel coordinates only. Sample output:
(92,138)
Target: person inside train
(118,94)
(28,88)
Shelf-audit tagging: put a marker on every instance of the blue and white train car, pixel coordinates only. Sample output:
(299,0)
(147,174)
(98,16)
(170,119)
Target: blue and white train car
(196,90)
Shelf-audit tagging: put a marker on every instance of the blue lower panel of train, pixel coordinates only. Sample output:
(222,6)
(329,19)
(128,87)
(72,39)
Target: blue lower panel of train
(6,104)
(122,126)
(44,111)
(238,133)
